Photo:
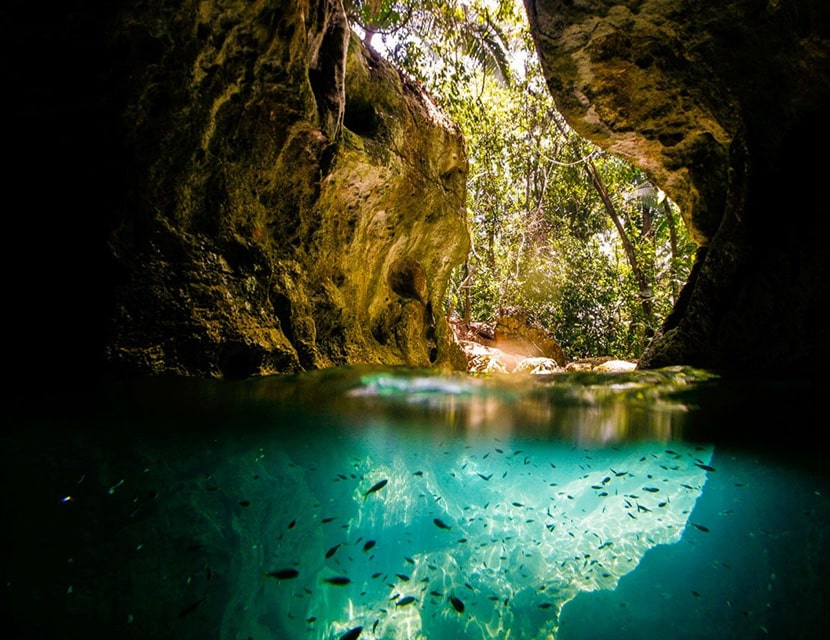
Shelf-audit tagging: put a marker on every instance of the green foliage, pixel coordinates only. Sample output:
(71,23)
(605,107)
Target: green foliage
(380,16)
(543,238)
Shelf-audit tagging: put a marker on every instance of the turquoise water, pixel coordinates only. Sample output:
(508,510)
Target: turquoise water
(392,503)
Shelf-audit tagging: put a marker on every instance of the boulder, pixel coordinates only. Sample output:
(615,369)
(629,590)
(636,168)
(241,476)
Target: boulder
(538,366)
(515,332)
(615,366)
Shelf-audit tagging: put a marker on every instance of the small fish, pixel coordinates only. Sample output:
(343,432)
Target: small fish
(409,560)
(369,544)
(483,477)
(518,504)
(352,634)
(700,527)
(403,576)
(244,503)
(191,608)
(441,524)
(380,484)
(291,524)
(705,467)
(405,601)
(651,489)
(338,581)
(457,604)
(418,473)
(311,619)
(327,520)
(333,550)
(283,574)
(545,605)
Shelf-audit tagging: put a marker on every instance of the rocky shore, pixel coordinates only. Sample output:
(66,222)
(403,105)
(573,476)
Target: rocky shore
(512,345)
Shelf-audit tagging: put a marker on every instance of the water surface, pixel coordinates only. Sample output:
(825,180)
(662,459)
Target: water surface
(396,503)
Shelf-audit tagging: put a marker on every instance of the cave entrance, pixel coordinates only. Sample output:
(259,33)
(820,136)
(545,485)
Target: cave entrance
(582,242)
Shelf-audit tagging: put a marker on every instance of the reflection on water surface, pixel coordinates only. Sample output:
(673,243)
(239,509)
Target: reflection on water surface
(580,407)
(391,503)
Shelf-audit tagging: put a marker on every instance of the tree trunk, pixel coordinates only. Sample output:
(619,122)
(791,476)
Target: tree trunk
(628,246)
(467,300)
(675,289)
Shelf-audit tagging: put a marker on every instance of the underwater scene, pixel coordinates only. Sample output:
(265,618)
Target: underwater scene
(390,503)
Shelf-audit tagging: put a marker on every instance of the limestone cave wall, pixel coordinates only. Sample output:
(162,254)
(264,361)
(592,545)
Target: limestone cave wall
(725,106)
(292,202)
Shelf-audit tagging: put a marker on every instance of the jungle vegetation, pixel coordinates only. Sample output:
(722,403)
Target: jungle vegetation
(578,238)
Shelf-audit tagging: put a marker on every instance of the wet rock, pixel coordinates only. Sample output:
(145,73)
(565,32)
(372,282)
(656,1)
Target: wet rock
(538,366)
